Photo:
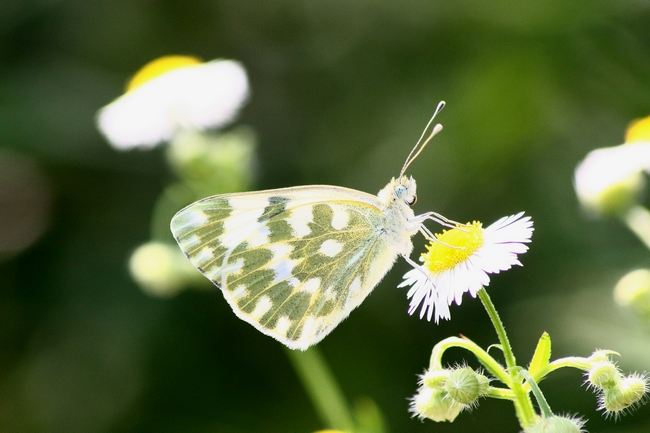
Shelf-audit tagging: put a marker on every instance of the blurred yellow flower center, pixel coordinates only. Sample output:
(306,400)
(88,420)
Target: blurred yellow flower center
(639,130)
(453,247)
(158,67)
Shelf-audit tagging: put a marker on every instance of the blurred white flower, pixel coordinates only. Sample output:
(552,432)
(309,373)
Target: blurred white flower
(608,180)
(161,269)
(633,290)
(174,93)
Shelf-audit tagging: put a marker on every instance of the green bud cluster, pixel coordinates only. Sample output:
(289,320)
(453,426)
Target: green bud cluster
(617,393)
(628,393)
(444,393)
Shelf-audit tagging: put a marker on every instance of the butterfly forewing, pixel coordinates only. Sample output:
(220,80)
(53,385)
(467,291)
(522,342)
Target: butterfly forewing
(293,262)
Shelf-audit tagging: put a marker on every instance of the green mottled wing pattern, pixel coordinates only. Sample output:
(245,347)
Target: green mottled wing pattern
(293,262)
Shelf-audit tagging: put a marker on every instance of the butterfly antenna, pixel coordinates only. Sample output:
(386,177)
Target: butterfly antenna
(436,129)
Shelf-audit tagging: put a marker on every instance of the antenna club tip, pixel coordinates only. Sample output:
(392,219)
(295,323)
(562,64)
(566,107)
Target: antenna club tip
(440,106)
(437,128)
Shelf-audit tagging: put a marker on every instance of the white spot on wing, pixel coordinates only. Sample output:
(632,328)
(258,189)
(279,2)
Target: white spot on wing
(280,250)
(242,222)
(204,256)
(214,273)
(259,237)
(283,325)
(282,265)
(340,218)
(330,248)
(239,292)
(190,219)
(355,287)
(299,220)
(233,268)
(311,286)
(190,242)
(330,294)
(283,271)
(263,306)
(356,257)
(308,327)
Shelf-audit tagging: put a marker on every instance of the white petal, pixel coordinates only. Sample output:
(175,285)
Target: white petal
(197,97)
(607,166)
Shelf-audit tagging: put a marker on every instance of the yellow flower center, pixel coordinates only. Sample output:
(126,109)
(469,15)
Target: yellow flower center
(453,247)
(158,67)
(639,130)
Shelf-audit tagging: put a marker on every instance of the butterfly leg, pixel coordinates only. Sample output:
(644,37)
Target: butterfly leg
(416,266)
(436,217)
(428,235)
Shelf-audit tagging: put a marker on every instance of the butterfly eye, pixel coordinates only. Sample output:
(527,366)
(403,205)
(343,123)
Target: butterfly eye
(400,191)
(411,200)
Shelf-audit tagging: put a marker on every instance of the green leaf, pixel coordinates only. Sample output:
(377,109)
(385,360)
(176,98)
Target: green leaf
(541,356)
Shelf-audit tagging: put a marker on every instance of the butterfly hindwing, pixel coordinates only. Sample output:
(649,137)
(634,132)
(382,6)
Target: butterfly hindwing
(293,262)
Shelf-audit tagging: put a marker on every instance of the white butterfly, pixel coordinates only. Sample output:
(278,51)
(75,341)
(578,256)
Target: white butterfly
(294,262)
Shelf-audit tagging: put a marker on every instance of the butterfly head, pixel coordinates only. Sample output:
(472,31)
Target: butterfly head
(399,190)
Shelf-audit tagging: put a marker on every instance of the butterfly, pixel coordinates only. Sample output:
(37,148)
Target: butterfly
(294,262)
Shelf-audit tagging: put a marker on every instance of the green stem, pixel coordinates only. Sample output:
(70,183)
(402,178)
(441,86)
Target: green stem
(500,393)
(322,388)
(523,404)
(541,400)
(570,361)
(484,358)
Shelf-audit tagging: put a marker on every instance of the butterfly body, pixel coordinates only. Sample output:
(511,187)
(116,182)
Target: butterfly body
(294,262)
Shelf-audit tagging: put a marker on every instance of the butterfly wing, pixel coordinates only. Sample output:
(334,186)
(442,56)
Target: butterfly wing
(293,262)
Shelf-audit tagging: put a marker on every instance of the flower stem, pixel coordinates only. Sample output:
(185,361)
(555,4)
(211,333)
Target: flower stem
(483,357)
(541,400)
(570,361)
(523,404)
(322,388)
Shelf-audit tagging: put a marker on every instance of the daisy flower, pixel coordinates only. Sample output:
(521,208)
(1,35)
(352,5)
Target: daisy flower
(459,260)
(170,94)
(608,181)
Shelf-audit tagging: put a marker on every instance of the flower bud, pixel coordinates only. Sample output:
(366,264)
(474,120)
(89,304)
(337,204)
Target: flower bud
(435,404)
(601,356)
(628,393)
(633,290)
(604,375)
(465,386)
(161,269)
(557,424)
(214,162)
(435,379)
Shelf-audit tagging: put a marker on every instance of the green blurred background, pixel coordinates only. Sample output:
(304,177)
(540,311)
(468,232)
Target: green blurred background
(340,92)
